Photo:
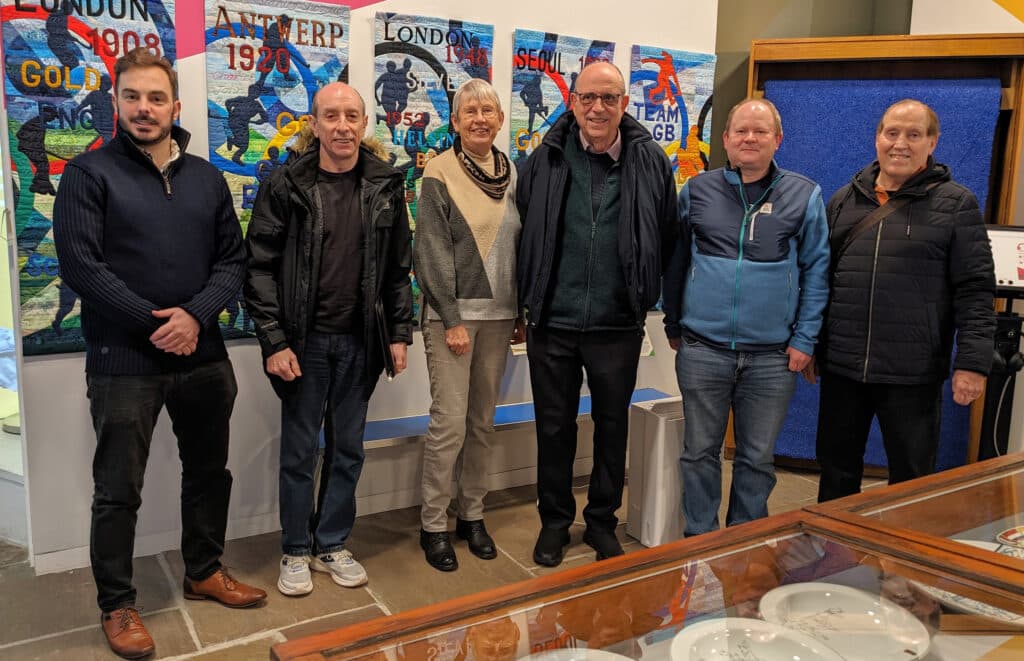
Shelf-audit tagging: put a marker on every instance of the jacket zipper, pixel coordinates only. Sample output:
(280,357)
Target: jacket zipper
(871,302)
(739,257)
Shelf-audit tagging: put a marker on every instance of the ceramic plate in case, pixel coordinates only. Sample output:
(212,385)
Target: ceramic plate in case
(743,638)
(962,604)
(860,626)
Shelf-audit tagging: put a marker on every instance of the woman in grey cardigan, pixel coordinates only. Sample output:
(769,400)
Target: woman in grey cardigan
(467,233)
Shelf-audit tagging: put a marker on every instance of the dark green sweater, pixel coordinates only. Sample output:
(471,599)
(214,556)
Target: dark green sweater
(589,292)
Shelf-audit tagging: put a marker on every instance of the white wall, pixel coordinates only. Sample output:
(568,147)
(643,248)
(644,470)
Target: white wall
(984,16)
(958,17)
(59,437)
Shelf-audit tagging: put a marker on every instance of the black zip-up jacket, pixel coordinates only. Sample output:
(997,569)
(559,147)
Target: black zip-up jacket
(284,244)
(900,291)
(648,222)
(131,240)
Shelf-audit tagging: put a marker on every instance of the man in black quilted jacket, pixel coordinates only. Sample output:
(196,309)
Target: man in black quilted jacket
(905,280)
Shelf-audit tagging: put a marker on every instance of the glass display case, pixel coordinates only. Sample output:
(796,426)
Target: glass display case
(976,509)
(797,587)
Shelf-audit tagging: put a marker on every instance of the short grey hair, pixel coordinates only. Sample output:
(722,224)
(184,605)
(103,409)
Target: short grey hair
(475,89)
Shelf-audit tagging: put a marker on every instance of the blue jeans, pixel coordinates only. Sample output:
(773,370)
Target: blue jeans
(332,392)
(758,387)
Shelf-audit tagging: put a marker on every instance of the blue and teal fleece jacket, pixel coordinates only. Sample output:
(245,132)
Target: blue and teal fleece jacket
(749,274)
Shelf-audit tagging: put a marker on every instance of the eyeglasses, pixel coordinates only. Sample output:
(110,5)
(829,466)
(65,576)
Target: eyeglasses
(487,112)
(588,99)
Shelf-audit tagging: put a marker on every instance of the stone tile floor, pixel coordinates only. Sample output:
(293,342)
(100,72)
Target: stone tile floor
(55,616)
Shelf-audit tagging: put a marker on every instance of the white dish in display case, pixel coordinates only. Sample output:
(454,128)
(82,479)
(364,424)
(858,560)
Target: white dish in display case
(962,604)
(860,626)
(745,639)
(576,654)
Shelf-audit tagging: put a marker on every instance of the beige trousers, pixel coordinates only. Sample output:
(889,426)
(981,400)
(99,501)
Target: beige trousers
(464,390)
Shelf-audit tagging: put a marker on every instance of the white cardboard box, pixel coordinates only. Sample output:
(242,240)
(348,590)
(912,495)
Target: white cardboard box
(654,514)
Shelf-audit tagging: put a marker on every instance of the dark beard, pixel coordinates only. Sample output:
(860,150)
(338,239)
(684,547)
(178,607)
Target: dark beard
(126,129)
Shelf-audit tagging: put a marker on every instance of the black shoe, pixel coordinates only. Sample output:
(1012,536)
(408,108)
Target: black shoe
(550,547)
(437,547)
(480,543)
(605,543)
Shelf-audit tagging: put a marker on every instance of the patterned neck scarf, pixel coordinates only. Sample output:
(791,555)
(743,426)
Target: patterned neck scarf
(493,185)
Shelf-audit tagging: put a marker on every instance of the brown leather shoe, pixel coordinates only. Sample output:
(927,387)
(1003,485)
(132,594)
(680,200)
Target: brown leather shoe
(126,633)
(222,587)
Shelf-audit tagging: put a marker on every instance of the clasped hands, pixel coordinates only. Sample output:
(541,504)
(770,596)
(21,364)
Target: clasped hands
(179,334)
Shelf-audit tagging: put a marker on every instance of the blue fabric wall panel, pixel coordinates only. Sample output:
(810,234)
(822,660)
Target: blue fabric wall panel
(829,125)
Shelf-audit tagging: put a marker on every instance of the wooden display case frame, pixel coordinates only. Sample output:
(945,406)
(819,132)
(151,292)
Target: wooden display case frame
(1003,585)
(933,526)
(894,57)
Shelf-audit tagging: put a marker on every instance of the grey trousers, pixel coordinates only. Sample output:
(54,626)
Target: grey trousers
(464,391)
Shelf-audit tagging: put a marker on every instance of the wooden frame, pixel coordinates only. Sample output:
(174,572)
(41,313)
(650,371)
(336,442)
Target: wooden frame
(915,56)
(1002,585)
(933,527)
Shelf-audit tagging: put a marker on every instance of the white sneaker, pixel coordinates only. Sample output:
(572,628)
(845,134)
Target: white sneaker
(295,579)
(342,567)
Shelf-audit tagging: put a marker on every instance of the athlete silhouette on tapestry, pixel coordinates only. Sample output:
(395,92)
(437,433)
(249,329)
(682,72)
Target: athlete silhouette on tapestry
(59,39)
(97,104)
(691,157)
(32,143)
(265,167)
(276,54)
(666,79)
(241,110)
(533,99)
(67,300)
(393,96)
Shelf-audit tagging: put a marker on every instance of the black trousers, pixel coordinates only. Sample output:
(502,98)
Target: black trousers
(558,360)
(908,415)
(124,411)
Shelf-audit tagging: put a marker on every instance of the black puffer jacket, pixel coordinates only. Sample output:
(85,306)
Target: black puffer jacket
(284,243)
(896,299)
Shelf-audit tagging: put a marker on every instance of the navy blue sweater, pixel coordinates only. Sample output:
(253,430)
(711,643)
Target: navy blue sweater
(130,241)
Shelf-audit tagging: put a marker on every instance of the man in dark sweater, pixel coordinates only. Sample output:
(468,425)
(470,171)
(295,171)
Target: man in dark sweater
(147,236)
(597,203)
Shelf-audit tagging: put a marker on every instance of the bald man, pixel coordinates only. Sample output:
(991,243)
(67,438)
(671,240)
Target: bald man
(320,305)
(597,203)
(902,287)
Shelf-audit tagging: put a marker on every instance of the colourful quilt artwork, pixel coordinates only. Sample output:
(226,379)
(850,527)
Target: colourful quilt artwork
(544,71)
(670,94)
(419,63)
(264,63)
(59,64)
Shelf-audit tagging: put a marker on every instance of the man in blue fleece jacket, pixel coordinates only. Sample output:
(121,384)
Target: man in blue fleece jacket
(744,297)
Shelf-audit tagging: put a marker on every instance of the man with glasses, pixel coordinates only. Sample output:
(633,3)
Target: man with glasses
(597,203)
(743,304)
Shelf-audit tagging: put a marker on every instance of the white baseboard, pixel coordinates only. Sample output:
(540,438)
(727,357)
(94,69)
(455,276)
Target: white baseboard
(75,558)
